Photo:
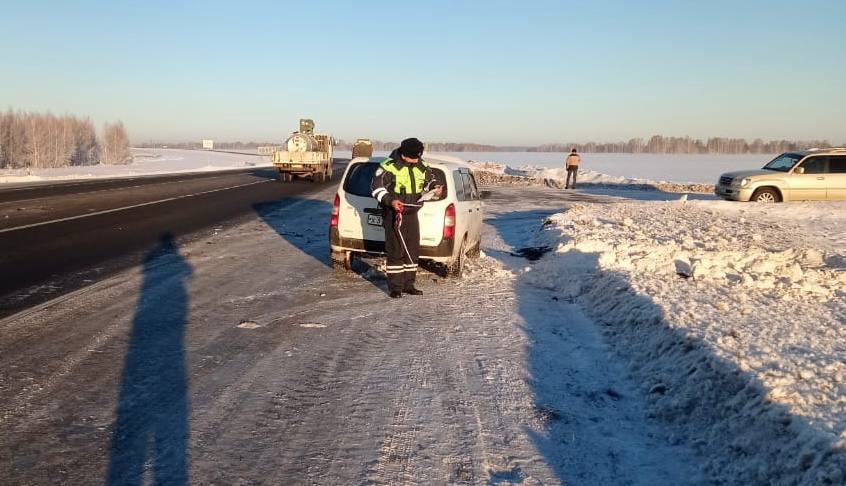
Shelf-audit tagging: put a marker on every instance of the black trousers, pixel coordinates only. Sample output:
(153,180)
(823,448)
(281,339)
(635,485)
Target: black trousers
(402,244)
(574,171)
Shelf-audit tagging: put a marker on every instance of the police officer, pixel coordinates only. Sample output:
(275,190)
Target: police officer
(398,184)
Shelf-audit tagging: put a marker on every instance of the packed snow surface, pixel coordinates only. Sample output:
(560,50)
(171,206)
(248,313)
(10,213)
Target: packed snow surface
(731,316)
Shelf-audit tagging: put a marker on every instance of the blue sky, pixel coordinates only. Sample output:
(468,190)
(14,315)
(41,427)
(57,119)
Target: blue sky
(489,71)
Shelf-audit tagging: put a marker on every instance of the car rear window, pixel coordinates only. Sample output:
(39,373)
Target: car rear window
(360,176)
(837,165)
(459,186)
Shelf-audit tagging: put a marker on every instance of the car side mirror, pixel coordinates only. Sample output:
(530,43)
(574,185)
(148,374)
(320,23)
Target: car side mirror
(800,170)
(484,194)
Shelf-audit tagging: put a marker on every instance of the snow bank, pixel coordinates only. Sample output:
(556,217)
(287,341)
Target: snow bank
(734,326)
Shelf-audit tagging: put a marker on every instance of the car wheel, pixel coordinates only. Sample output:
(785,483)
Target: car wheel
(456,268)
(766,195)
(476,250)
(341,261)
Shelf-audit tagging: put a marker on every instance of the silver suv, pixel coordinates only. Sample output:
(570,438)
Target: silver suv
(807,175)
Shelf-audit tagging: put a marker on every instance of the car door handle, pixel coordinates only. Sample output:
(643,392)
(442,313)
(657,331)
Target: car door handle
(820,178)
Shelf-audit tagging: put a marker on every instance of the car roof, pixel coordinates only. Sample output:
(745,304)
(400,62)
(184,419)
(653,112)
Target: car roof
(819,151)
(433,161)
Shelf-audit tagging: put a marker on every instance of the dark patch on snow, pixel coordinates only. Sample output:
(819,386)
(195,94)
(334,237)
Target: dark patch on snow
(546,414)
(532,253)
(514,476)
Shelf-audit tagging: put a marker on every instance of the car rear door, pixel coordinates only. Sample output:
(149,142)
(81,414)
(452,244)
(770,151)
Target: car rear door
(431,215)
(464,206)
(475,206)
(836,177)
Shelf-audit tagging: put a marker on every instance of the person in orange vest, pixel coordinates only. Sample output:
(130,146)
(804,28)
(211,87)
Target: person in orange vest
(572,165)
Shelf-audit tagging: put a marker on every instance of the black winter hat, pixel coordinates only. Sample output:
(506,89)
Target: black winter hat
(411,148)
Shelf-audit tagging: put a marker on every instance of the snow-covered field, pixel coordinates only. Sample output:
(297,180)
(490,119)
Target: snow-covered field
(147,162)
(596,168)
(703,169)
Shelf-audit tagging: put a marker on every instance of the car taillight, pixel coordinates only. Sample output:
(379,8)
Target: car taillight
(449,221)
(336,211)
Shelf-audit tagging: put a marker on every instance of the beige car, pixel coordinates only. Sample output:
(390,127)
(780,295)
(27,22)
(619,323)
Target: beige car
(807,175)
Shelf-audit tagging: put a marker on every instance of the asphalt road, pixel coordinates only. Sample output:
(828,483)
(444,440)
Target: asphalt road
(56,238)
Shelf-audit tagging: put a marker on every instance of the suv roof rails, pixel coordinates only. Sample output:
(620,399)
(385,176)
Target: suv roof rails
(827,149)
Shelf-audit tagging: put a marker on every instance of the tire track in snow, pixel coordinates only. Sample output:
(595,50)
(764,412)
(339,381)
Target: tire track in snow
(23,403)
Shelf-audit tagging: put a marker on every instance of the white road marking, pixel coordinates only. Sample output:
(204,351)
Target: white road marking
(124,208)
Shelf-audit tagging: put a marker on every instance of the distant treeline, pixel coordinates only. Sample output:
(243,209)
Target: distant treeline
(657,144)
(199,145)
(34,140)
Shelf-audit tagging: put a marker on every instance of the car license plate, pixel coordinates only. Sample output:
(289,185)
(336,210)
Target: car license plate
(374,219)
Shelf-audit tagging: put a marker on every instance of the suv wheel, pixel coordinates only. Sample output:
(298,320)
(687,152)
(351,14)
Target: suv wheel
(766,195)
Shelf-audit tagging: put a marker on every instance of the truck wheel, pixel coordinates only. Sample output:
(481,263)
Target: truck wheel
(766,195)
(317,177)
(285,177)
(456,268)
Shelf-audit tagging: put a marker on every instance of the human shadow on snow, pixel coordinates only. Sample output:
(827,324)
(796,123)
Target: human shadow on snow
(703,406)
(309,235)
(151,427)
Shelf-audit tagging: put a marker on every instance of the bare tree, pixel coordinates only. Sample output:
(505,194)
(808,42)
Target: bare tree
(115,144)
(86,146)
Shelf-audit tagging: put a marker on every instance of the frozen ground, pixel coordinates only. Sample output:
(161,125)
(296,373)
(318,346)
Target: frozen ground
(245,358)
(630,338)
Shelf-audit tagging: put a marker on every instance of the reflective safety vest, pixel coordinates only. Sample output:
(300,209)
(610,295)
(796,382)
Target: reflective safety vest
(405,174)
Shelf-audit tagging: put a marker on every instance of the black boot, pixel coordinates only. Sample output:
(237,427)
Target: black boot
(395,294)
(413,291)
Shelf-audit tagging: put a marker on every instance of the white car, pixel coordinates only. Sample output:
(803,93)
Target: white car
(450,227)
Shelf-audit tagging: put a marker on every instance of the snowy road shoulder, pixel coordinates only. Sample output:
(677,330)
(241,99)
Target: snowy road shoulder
(732,324)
